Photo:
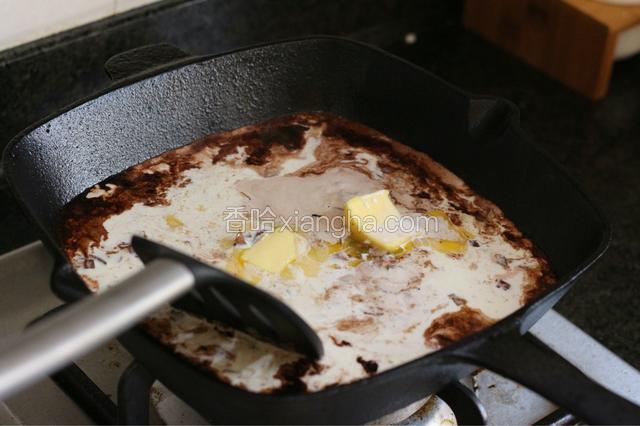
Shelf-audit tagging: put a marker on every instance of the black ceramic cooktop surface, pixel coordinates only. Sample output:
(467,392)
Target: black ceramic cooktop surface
(598,143)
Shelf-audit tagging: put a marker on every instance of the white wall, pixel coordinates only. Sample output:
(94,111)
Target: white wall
(22,21)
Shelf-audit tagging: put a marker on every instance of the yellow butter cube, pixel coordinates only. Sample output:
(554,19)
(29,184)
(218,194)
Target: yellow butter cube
(374,220)
(274,251)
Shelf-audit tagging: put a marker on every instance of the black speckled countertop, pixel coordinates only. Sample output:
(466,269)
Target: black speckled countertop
(599,143)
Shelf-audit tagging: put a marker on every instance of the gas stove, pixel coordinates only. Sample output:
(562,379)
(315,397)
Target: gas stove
(108,386)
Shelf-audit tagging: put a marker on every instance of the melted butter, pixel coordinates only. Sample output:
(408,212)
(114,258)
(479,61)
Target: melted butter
(227,243)
(312,261)
(237,267)
(173,221)
(321,252)
(464,234)
(448,246)
(441,245)
(444,245)
(287,273)
(354,248)
(407,247)
(310,267)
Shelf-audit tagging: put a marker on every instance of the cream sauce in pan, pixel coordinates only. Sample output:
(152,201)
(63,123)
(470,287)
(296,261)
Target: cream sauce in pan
(372,310)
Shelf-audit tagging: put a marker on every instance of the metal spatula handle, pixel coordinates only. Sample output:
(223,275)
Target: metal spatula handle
(51,344)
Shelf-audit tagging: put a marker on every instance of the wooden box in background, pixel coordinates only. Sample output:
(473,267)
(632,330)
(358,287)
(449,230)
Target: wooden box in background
(573,41)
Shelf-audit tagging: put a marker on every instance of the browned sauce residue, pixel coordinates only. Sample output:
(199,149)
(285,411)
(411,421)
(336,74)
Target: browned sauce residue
(227,332)
(159,327)
(266,145)
(371,367)
(539,282)
(353,323)
(83,217)
(459,301)
(91,283)
(453,326)
(291,374)
(503,285)
(455,219)
(339,342)
(207,349)
(260,142)
(414,283)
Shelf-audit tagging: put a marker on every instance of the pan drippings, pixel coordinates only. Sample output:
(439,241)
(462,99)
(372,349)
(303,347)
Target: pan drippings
(373,308)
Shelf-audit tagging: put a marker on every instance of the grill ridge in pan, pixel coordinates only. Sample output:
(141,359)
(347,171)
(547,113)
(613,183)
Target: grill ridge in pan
(172,99)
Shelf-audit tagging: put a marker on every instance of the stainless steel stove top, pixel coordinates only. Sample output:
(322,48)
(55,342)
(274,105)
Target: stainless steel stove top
(24,277)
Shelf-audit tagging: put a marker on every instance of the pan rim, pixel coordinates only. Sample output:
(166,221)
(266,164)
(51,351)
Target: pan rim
(516,320)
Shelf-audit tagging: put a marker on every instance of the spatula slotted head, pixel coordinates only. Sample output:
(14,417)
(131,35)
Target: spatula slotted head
(222,297)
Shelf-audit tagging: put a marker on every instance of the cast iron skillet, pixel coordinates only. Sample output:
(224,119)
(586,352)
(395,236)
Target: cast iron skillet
(162,99)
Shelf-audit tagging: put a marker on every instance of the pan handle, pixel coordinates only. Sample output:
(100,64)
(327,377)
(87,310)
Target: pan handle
(533,364)
(53,342)
(488,117)
(141,59)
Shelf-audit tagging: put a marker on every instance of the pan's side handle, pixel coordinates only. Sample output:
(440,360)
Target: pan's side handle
(488,117)
(141,59)
(530,362)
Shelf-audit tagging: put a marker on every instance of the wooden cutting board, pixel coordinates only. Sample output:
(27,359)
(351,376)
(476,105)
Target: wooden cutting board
(573,41)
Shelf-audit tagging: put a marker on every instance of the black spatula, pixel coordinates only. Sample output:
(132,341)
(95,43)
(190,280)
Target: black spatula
(219,296)
(52,343)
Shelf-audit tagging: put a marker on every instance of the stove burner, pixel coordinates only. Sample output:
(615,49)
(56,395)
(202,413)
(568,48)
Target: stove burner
(137,387)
